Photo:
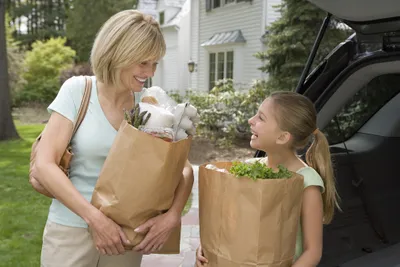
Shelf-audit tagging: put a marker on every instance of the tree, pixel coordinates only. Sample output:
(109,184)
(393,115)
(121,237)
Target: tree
(15,58)
(7,127)
(44,19)
(290,39)
(83,23)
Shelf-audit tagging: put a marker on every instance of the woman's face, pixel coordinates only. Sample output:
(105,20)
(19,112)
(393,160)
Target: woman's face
(134,77)
(264,127)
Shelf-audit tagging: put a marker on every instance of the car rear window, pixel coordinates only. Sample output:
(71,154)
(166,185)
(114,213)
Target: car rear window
(361,107)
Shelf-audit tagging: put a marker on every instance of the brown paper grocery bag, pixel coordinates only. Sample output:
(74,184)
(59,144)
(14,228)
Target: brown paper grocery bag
(248,223)
(138,181)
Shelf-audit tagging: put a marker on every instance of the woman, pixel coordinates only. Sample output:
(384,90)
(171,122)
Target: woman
(124,55)
(286,122)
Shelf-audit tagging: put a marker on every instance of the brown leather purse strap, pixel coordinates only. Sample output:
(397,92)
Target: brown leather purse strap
(84,105)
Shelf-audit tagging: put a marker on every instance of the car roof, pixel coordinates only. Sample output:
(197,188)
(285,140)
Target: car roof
(360,10)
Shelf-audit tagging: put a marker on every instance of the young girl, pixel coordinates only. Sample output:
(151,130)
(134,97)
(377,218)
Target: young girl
(286,122)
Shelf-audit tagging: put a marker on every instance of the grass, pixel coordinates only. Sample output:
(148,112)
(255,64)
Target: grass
(23,212)
(188,205)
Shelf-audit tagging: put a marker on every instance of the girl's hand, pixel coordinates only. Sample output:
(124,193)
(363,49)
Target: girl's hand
(200,259)
(108,236)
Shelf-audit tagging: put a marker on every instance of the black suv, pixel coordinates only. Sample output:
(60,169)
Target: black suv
(356,90)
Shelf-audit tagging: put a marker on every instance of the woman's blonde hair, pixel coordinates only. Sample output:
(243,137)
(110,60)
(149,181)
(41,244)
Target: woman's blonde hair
(296,114)
(128,37)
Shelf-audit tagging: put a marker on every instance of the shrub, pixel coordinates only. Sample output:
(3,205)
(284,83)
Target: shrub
(223,86)
(76,70)
(224,112)
(15,62)
(43,66)
(175,95)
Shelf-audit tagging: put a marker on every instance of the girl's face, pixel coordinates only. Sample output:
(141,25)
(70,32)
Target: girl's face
(134,77)
(267,135)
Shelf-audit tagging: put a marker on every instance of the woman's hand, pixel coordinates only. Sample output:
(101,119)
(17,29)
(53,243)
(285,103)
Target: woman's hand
(158,230)
(108,236)
(200,259)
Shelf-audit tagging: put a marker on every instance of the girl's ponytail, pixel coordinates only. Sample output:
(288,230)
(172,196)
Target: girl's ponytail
(319,157)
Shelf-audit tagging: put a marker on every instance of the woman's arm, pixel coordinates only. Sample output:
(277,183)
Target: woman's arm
(312,223)
(52,146)
(159,228)
(39,188)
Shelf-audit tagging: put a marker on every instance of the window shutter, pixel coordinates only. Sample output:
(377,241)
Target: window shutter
(208,5)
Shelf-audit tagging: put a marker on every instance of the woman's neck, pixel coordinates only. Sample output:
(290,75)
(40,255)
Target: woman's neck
(115,96)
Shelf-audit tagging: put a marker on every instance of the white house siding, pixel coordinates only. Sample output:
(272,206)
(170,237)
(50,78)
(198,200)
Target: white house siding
(169,11)
(148,7)
(272,12)
(244,16)
(194,36)
(167,74)
(172,73)
(184,44)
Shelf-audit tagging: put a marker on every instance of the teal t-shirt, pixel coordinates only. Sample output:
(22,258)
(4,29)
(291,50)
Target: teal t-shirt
(311,178)
(90,144)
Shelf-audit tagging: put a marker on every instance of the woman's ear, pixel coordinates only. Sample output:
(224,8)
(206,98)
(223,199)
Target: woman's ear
(283,138)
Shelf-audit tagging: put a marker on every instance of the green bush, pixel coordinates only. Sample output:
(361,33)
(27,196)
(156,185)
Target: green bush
(224,112)
(175,95)
(223,86)
(15,63)
(42,68)
(76,70)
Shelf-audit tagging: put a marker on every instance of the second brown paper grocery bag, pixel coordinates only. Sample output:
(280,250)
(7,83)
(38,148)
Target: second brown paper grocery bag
(248,223)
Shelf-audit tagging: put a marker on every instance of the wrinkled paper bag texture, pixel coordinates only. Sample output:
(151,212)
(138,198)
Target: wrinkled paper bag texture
(138,182)
(248,223)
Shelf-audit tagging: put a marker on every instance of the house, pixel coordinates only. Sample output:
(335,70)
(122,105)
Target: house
(218,37)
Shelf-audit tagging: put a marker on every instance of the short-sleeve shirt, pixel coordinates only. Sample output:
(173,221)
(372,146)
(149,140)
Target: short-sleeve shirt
(311,178)
(90,144)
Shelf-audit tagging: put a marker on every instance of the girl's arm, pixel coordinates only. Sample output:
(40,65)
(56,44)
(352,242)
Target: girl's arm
(312,224)
(183,191)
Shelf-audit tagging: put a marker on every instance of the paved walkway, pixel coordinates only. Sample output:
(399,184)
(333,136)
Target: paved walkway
(189,237)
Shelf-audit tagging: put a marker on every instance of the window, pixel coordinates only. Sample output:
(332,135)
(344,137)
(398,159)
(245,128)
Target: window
(212,71)
(211,4)
(229,65)
(162,17)
(361,107)
(221,67)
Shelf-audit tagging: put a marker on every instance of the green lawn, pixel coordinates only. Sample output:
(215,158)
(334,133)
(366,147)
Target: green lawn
(23,212)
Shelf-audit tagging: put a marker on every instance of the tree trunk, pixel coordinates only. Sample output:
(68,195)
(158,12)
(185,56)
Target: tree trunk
(7,127)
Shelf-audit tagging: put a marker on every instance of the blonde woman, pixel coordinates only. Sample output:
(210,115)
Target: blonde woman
(284,123)
(124,55)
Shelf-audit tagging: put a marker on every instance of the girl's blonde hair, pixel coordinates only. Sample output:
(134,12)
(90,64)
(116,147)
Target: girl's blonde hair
(128,37)
(296,114)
